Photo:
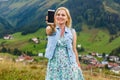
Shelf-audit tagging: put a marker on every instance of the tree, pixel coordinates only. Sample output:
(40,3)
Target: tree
(116,52)
(4,50)
(9,50)
(80,49)
(103,55)
(17,52)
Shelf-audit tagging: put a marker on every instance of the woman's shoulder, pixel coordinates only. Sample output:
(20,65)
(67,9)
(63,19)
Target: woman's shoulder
(72,30)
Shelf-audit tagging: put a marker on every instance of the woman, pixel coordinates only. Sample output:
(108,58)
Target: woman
(61,50)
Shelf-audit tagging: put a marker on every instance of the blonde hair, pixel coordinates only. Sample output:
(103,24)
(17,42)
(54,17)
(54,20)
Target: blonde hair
(69,22)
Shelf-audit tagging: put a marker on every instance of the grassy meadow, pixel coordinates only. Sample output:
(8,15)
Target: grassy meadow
(92,40)
(22,42)
(11,70)
(20,71)
(96,40)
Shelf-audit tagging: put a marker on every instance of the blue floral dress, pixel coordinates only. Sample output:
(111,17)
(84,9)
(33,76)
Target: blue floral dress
(59,67)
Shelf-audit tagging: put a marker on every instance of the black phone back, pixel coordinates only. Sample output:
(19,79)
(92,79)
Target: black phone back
(51,16)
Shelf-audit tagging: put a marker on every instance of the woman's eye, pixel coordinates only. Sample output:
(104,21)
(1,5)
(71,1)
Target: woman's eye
(58,14)
(63,15)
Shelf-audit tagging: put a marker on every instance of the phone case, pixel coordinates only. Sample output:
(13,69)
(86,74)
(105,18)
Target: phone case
(51,16)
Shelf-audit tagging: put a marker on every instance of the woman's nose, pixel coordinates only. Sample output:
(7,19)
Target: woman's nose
(60,16)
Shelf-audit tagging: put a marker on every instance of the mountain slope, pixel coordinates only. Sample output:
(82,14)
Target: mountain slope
(93,40)
(5,27)
(95,14)
(28,15)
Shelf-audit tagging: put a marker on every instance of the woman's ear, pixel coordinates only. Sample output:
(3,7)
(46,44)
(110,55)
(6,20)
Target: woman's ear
(67,19)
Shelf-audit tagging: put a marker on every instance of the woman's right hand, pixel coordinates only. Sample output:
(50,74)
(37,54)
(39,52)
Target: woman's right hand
(50,28)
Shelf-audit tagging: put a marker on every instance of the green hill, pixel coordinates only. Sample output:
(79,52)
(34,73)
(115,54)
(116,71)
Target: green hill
(97,23)
(22,71)
(96,40)
(92,40)
(27,16)
(24,42)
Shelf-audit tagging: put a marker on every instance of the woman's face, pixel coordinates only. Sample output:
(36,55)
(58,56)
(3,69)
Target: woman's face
(61,17)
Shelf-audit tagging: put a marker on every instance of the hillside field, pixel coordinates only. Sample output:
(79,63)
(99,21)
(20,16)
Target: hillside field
(35,70)
(92,40)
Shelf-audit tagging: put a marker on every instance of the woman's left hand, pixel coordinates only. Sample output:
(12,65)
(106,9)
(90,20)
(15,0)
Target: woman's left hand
(78,63)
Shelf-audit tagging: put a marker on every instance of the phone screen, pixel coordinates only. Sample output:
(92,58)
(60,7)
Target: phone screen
(51,16)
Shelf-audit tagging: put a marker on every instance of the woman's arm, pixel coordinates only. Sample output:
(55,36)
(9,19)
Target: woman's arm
(74,48)
(48,30)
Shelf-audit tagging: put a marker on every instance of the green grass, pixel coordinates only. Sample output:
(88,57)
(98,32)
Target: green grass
(96,40)
(93,40)
(10,70)
(19,71)
(22,42)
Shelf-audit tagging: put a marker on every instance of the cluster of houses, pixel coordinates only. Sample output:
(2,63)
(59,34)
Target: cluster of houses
(110,62)
(35,40)
(22,58)
(7,37)
(25,58)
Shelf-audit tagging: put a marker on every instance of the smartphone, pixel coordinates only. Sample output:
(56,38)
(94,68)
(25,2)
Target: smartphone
(51,16)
